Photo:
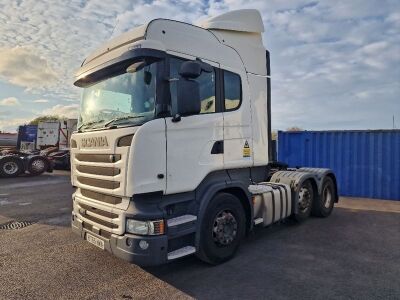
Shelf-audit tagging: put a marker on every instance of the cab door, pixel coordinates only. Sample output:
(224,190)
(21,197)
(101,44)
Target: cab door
(191,150)
(238,135)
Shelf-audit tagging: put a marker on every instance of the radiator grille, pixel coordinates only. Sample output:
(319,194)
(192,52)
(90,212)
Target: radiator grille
(101,197)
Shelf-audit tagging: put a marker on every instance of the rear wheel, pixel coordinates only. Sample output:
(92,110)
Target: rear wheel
(224,228)
(305,201)
(10,167)
(37,165)
(323,206)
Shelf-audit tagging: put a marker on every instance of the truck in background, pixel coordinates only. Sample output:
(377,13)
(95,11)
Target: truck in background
(40,148)
(172,156)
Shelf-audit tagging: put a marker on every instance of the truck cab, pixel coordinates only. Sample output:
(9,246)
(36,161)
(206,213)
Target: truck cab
(174,128)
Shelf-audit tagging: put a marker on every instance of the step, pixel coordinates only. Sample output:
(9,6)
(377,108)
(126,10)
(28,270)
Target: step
(258,221)
(187,250)
(181,220)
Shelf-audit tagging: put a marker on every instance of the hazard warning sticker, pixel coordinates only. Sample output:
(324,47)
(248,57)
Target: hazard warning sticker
(246,149)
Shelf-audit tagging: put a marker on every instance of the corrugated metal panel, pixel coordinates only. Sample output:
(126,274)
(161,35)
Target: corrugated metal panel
(366,163)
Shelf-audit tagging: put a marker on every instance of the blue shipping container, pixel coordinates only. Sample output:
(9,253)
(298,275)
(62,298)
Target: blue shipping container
(366,162)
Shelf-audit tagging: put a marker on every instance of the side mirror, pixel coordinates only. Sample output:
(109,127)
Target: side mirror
(188,97)
(193,69)
(190,69)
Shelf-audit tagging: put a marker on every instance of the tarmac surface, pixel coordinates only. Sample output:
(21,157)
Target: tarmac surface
(353,254)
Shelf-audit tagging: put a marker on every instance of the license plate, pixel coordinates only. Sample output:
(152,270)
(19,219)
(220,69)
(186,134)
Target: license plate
(95,241)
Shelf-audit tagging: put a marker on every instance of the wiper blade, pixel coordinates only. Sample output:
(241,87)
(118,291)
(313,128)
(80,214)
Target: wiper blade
(90,124)
(121,119)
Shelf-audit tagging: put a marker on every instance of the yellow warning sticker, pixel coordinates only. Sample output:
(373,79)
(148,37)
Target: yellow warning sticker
(246,150)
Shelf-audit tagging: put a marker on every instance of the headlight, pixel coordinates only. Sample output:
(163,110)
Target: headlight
(145,227)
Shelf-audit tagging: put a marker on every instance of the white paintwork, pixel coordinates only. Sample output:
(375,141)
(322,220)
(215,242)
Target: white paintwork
(147,159)
(189,144)
(47,134)
(181,252)
(238,128)
(259,118)
(181,220)
(182,150)
(247,20)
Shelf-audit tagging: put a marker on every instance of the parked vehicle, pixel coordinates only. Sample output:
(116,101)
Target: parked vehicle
(173,151)
(14,163)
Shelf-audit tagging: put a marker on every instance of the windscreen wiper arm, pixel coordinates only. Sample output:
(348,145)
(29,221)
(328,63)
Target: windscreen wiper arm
(89,124)
(120,119)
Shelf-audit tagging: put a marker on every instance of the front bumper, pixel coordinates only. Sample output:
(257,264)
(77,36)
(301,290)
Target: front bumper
(127,246)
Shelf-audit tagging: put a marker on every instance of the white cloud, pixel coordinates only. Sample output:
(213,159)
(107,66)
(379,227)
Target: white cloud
(326,55)
(11,125)
(21,66)
(11,101)
(40,101)
(66,111)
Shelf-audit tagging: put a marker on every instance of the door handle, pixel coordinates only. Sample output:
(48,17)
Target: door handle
(218,147)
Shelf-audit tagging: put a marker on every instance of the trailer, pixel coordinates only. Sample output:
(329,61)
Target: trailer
(173,153)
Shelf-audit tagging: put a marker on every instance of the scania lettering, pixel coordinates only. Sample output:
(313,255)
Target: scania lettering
(172,156)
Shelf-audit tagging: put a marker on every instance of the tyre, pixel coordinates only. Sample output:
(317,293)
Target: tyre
(223,229)
(305,201)
(10,166)
(37,165)
(323,206)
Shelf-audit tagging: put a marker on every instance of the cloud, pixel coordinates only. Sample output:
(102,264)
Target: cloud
(40,101)
(11,101)
(12,124)
(21,66)
(327,56)
(66,111)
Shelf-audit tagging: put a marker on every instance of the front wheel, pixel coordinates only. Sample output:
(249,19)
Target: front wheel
(224,228)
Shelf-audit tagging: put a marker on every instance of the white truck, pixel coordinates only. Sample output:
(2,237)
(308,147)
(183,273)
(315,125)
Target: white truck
(172,153)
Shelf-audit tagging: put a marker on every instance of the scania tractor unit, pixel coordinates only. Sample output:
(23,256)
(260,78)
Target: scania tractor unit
(172,155)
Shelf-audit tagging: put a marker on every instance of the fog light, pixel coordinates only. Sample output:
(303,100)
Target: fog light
(129,242)
(143,245)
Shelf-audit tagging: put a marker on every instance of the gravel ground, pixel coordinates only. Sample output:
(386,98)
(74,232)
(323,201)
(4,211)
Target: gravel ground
(353,254)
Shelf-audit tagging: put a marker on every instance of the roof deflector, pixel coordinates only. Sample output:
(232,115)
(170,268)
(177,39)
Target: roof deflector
(247,20)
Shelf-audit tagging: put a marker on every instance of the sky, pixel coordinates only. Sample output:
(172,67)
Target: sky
(335,64)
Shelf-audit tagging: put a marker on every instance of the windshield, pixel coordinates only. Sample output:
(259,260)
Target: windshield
(126,99)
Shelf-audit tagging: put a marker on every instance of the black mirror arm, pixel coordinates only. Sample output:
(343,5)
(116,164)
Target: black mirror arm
(176,118)
(205,67)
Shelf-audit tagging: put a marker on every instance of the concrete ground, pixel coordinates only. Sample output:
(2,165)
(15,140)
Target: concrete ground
(353,254)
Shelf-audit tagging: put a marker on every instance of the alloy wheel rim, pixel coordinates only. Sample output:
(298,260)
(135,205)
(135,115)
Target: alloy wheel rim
(10,168)
(304,198)
(225,228)
(37,165)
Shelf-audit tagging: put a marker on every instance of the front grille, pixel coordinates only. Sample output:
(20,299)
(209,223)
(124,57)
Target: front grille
(101,222)
(102,158)
(100,217)
(94,170)
(101,197)
(104,184)
(99,211)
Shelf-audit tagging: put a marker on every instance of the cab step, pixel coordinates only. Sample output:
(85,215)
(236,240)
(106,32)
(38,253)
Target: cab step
(181,220)
(187,250)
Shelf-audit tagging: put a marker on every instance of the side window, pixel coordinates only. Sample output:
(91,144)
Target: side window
(232,90)
(207,87)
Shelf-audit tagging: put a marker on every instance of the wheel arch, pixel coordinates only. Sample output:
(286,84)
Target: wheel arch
(237,189)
